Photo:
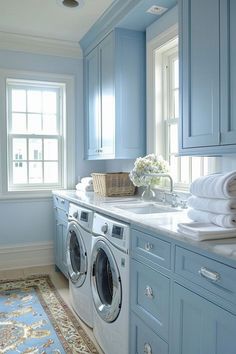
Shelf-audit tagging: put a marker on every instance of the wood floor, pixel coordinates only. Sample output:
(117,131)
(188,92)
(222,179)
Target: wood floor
(59,281)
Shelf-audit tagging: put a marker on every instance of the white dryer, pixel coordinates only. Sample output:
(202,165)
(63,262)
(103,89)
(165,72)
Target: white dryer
(79,243)
(110,284)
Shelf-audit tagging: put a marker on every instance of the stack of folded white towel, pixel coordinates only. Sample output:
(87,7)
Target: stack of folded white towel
(86,185)
(212,206)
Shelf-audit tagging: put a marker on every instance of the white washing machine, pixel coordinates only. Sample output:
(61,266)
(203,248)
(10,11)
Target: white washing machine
(110,284)
(79,244)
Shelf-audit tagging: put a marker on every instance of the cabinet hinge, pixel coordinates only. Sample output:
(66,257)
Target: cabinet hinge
(219,137)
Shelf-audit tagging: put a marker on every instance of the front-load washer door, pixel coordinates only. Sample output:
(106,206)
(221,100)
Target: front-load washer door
(76,255)
(105,282)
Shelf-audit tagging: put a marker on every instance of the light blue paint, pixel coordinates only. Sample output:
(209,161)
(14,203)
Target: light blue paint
(115,71)
(138,19)
(26,221)
(32,221)
(161,25)
(196,315)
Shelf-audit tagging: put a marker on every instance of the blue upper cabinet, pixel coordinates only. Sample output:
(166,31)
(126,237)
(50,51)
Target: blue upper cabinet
(115,97)
(207,77)
(228,71)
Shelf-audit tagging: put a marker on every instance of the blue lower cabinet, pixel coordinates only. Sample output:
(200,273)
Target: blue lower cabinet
(199,326)
(60,246)
(150,297)
(144,340)
(61,207)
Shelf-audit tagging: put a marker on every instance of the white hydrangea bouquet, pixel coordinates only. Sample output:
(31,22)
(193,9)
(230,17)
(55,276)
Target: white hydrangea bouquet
(148,164)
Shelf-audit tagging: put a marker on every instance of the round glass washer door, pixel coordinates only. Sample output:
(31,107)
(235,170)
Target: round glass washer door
(76,255)
(105,282)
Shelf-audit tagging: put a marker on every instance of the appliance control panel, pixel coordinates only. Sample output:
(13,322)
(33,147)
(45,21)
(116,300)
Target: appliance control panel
(114,231)
(81,215)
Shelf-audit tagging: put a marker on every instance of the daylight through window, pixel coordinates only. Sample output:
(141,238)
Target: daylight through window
(35,135)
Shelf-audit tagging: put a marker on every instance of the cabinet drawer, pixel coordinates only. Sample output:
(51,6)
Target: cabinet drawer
(150,297)
(61,203)
(151,248)
(144,340)
(208,273)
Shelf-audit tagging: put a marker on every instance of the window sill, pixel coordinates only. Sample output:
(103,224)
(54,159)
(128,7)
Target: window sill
(26,195)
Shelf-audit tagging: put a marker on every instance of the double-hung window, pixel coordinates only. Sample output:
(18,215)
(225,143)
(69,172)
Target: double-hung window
(35,135)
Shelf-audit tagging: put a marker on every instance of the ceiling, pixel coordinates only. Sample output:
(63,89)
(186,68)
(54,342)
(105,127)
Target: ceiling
(48,19)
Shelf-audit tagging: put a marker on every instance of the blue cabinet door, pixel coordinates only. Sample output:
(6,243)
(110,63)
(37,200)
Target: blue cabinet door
(60,246)
(115,95)
(199,326)
(130,91)
(228,72)
(107,119)
(92,108)
(143,340)
(199,73)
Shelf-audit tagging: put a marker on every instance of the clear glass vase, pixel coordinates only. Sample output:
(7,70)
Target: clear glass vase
(148,194)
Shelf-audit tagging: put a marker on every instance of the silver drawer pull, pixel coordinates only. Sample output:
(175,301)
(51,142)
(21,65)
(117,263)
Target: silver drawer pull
(148,246)
(62,201)
(147,348)
(149,292)
(206,273)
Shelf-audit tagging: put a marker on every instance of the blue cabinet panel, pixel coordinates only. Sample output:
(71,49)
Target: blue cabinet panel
(200,269)
(115,96)
(150,297)
(199,60)
(151,249)
(144,340)
(107,120)
(130,93)
(207,77)
(92,103)
(61,207)
(228,72)
(200,327)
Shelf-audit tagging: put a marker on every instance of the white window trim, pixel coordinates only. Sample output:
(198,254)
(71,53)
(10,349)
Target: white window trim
(155,103)
(69,111)
(154,111)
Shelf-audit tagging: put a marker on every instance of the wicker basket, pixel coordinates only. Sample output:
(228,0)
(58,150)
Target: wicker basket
(113,184)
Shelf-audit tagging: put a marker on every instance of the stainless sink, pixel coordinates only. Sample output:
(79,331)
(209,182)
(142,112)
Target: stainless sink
(147,208)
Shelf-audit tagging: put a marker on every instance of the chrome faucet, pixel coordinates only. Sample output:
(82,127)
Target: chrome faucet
(166,175)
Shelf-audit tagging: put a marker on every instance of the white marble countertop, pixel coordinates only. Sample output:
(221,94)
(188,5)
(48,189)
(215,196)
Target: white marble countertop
(165,224)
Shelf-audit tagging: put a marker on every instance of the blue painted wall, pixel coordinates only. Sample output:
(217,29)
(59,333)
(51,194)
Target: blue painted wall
(27,221)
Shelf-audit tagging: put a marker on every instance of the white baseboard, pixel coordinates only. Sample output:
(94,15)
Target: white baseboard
(26,255)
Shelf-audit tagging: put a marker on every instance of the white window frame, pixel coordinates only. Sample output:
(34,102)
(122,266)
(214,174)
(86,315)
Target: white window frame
(67,84)
(156,105)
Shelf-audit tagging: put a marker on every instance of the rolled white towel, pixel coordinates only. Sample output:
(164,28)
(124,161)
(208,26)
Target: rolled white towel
(202,231)
(221,206)
(88,181)
(222,220)
(83,188)
(218,185)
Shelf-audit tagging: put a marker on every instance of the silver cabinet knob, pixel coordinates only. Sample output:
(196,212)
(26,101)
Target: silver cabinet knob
(104,228)
(147,348)
(148,246)
(149,292)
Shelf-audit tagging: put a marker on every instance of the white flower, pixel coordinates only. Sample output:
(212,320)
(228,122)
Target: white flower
(145,165)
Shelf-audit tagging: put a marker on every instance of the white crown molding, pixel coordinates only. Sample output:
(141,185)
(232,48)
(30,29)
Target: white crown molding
(26,255)
(40,45)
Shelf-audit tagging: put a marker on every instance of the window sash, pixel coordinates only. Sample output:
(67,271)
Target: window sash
(169,119)
(58,135)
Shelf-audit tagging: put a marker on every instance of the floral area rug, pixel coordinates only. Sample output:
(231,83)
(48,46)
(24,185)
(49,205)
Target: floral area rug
(34,319)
